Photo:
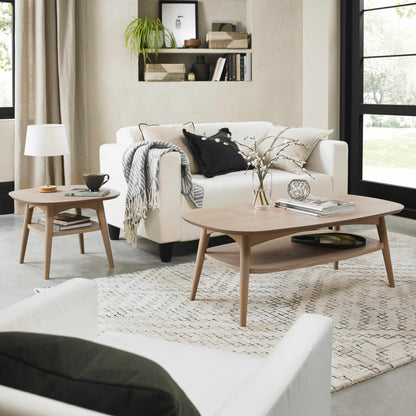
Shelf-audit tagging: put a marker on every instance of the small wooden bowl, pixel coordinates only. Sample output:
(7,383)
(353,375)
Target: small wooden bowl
(192,43)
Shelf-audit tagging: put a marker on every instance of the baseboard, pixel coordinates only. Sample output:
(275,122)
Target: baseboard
(6,203)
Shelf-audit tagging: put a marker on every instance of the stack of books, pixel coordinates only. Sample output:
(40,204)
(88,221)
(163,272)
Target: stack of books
(316,205)
(233,67)
(67,221)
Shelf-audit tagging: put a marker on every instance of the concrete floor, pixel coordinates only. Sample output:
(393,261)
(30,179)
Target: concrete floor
(392,393)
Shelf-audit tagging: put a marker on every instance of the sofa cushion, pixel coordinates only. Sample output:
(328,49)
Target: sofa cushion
(128,135)
(215,155)
(307,138)
(89,375)
(171,134)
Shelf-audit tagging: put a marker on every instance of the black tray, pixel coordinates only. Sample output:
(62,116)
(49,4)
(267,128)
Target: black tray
(330,240)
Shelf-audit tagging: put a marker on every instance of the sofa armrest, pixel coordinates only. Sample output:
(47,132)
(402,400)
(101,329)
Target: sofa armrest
(295,379)
(67,309)
(331,157)
(20,403)
(162,225)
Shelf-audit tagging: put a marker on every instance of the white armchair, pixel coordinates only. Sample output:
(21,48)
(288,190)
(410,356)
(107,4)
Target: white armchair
(293,380)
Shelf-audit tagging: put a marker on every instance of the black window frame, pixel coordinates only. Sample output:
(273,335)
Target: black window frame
(8,112)
(353,109)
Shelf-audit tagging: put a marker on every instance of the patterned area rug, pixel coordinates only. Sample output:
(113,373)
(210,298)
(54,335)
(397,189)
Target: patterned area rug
(375,326)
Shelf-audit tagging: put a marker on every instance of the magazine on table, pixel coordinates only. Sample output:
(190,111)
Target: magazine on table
(317,205)
(68,218)
(58,227)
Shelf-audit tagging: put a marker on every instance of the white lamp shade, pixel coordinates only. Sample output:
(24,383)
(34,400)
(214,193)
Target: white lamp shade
(46,140)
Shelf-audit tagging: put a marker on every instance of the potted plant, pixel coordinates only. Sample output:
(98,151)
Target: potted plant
(144,35)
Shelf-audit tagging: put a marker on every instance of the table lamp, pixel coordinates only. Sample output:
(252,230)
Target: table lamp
(46,140)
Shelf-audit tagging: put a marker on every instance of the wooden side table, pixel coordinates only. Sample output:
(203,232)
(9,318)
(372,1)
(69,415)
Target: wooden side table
(54,203)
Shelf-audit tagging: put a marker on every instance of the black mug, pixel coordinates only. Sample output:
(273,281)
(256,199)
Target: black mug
(95,180)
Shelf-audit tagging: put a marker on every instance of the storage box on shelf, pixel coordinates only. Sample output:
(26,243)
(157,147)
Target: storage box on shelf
(227,40)
(164,72)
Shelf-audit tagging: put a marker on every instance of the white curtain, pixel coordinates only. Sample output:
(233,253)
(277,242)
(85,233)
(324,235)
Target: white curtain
(50,86)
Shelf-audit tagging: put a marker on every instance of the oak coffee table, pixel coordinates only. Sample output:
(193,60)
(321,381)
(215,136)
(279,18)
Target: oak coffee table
(54,203)
(263,239)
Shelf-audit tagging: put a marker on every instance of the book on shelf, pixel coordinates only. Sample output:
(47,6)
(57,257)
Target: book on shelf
(242,58)
(247,66)
(57,227)
(68,218)
(214,73)
(316,205)
(219,69)
(233,64)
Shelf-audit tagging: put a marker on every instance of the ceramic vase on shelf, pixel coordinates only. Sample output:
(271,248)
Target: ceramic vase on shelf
(262,190)
(201,69)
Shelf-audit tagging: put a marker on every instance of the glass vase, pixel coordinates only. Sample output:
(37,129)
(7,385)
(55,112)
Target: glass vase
(262,189)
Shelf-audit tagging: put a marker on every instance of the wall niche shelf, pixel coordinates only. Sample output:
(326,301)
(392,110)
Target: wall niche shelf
(200,51)
(208,11)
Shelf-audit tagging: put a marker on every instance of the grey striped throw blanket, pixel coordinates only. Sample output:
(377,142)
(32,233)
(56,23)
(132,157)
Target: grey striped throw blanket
(141,171)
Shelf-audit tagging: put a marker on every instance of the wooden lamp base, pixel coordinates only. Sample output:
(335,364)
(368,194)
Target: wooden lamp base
(47,188)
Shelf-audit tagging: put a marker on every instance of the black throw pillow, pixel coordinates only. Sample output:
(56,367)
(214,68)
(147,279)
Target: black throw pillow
(89,375)
(215,155)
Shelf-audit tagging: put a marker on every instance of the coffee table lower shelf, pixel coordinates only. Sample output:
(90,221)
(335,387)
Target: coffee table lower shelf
(281,254)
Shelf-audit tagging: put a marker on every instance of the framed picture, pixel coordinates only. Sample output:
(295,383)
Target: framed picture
(180,17)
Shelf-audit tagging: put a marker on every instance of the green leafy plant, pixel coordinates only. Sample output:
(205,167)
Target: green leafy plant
(145,36)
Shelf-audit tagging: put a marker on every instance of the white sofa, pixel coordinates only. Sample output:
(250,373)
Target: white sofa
(293,380)
(327,163)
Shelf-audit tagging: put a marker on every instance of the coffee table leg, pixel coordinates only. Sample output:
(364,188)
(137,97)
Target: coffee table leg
(202,247)
(28,219)
(104,232)
(48,240)
(382,234)
(78,211)
(245,251)
(336,263)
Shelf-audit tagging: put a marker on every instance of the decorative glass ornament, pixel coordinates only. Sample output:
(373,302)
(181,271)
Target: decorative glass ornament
(298,189)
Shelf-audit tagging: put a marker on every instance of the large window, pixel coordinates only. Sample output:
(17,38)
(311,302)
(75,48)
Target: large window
(6,60)
(378,108)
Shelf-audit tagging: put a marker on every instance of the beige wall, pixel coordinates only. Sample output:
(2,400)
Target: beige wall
(116,98)
(321,68)
(7,150)
(295,75)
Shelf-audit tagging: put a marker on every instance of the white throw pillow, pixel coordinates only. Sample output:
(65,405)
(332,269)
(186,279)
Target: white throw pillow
(171,134)
(306,140)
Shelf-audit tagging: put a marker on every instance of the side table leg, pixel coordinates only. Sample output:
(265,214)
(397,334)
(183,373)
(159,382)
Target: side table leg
(27,221)
(78,211)
(336,263)
(104,232)
(203,244)
(48,240)
(382,234)
(245,252)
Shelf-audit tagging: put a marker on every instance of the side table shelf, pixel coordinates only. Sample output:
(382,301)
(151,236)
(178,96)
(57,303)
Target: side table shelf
(40,229)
